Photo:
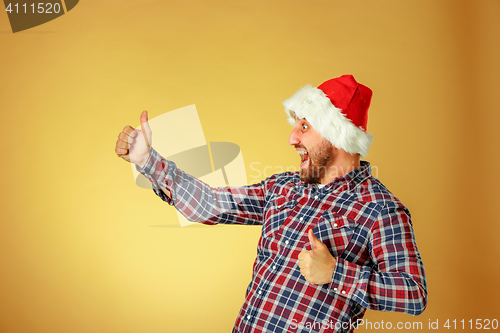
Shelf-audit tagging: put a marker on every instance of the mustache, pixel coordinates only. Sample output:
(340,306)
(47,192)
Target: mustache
(300,146)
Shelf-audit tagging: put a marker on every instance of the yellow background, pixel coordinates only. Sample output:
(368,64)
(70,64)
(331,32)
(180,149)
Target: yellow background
(83,249)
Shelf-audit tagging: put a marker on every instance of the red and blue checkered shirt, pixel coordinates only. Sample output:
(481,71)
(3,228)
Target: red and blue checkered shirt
(366,228)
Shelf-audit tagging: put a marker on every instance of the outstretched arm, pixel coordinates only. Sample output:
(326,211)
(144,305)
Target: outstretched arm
(196,200)
(199,202)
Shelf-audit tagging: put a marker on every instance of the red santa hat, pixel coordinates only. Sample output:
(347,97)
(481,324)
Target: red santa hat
(338,110)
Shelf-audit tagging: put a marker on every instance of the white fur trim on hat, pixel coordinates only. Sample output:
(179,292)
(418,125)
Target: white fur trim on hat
(313,104)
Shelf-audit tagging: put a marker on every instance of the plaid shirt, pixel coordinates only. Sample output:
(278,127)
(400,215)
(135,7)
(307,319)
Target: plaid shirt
(366,228)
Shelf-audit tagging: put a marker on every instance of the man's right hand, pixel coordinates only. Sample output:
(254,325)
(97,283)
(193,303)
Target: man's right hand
(134,145)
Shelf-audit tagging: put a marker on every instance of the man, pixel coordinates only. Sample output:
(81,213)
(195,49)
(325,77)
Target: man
(334,242)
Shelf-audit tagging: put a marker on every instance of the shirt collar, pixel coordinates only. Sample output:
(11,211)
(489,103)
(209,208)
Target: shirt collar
(354,178)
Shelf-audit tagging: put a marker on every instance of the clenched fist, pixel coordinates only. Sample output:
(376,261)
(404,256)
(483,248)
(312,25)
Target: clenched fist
(317,265)
(134,145)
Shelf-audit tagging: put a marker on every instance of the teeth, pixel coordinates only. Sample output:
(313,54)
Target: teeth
(301,152)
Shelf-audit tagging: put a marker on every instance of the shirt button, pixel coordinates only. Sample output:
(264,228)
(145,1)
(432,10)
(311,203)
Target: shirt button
(335,224)
(335,289)
(301,218)
(274,267)
(248,317)
(316,197)
(286,242)
(260,292)
(343,292)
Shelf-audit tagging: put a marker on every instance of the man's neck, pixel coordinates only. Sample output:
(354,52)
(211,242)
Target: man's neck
(341,167)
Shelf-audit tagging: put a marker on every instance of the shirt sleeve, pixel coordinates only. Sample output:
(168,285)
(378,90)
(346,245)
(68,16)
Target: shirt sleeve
(396,279)
(199,202)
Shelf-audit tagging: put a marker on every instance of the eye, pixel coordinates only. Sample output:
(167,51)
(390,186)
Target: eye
(304,127)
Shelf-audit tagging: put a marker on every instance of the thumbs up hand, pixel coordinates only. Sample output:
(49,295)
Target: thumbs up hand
(317,265)
(134,145)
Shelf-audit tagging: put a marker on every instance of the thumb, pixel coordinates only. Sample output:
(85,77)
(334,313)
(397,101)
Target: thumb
(315,242)
(146,130)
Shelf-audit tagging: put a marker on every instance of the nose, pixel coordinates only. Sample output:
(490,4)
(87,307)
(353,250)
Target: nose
(294,138)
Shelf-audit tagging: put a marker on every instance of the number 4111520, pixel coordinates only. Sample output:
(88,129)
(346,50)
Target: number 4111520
(41,8)
(485,324)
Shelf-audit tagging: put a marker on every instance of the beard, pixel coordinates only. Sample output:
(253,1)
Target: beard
(320,159)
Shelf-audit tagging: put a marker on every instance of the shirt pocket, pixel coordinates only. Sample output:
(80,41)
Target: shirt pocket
(335,231)
(278,212)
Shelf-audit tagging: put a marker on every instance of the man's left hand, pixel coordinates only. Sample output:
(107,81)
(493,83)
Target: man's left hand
(317,265)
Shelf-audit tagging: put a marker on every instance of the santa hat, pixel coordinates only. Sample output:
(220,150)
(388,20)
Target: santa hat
(338,110)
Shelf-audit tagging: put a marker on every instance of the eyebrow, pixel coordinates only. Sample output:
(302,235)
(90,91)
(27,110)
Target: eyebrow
(304,120)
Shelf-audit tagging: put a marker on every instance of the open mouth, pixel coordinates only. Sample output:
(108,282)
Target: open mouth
(305,158)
